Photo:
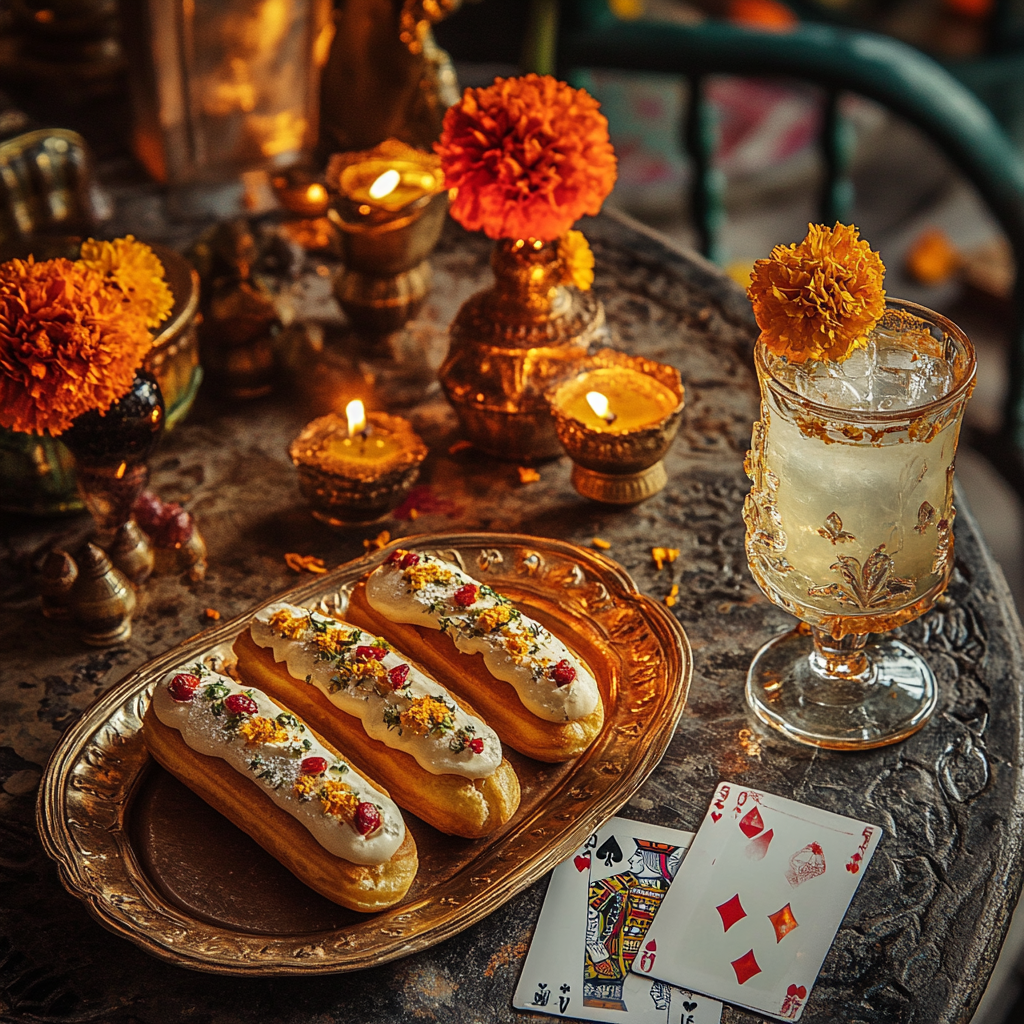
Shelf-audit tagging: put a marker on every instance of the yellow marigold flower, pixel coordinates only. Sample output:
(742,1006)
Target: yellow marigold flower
(331,641)
(421,575)
(577,260)
(338,799)
(292,627)
(136,271)
(818,299)
(306,785)
(492,618)
(518,646)
(424,714)
(259,730)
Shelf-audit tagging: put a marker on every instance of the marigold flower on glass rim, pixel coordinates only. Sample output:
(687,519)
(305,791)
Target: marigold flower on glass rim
(136,270)
(69,343)
(818,299)
(527,157)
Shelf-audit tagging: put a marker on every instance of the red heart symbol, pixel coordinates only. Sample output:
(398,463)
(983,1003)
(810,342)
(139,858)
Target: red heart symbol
(715,816)
(582,862)
(801,991)
(652,945)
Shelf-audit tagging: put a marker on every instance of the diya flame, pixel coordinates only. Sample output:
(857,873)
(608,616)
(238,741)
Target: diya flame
(73,332)
(818,299)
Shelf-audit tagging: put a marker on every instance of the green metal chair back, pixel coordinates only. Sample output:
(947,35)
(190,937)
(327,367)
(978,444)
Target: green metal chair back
(576,34)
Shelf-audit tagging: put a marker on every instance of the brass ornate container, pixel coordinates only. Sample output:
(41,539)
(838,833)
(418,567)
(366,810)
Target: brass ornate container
(510,344)
(620,466)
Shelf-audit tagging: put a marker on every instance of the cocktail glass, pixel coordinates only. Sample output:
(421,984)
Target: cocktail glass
(850,526)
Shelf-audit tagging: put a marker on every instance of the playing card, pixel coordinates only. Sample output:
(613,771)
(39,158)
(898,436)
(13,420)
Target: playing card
(758,900)
(598,907)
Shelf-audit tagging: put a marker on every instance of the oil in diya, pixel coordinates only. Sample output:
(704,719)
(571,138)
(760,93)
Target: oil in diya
(616,421)
(357,468)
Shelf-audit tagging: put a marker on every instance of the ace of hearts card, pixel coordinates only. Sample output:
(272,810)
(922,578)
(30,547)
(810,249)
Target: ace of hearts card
(597,910)
(758,900)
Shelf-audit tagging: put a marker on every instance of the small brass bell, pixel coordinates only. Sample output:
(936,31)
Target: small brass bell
(56,577)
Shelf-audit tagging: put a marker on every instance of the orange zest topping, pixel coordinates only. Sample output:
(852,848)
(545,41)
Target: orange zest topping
(528,157)
(369,669)
(818,299)
(306,786)
(424,714)
(517,645)
(338,799)
(331,640)
(259,730)
(292,627)
(423,574)
(491,618)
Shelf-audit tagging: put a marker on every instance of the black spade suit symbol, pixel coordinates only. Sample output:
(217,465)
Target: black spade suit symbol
(610,852)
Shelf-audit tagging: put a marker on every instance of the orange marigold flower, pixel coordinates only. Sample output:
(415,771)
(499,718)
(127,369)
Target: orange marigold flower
(292,627)
(136,271)
(338,799)
(528,156)
(68,344)
(818,299)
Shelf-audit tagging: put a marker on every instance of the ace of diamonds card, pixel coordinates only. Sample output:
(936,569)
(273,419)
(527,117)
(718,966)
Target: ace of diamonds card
(758,901)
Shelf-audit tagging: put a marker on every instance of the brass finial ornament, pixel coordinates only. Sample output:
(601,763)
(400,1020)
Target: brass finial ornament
(102,600)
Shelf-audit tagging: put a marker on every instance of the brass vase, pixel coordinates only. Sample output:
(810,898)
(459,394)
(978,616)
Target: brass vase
(511,343)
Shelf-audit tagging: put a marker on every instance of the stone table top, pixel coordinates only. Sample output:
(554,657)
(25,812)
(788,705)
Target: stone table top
(925,927)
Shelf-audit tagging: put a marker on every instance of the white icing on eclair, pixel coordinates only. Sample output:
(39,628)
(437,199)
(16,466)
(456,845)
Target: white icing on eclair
(422,590)
(364,676)
(277,752)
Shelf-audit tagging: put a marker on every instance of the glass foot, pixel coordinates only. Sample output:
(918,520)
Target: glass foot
(890,701)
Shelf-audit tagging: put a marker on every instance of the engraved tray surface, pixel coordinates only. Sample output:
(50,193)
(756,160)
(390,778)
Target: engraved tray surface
(113,820)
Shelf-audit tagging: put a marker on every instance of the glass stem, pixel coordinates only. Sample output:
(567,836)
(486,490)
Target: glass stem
(845,658)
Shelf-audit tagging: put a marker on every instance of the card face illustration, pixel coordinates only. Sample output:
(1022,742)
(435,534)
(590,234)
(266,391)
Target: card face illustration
(758,900)
(598,908)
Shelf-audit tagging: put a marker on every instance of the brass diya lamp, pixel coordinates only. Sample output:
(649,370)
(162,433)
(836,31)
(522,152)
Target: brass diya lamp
(356,468)
(616,421)
(510,344)
(389,204)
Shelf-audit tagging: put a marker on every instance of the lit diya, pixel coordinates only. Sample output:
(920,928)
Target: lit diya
(389,203)
(357,468)
(616,420)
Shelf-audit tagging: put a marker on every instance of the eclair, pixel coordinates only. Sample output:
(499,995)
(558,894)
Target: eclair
(538,695)
(265,770)
(435,755)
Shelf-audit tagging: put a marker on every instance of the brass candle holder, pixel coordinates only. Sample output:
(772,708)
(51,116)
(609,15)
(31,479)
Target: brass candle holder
(389,203)
(301,192)
(357,468)
(616,420)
